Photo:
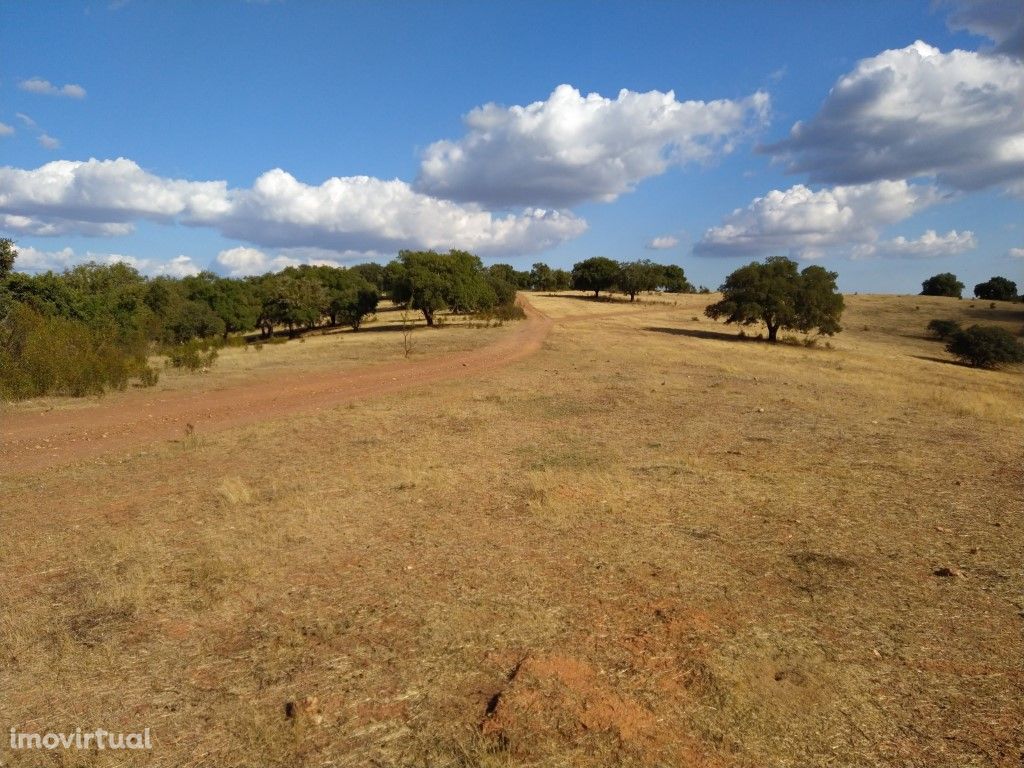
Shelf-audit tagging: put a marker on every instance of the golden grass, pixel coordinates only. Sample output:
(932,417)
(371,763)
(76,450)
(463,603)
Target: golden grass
(649,544)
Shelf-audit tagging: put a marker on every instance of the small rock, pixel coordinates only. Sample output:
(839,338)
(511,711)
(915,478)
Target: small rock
(760,410)
(947,573)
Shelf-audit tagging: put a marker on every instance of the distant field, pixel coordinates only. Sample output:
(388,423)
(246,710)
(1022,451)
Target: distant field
(652,542)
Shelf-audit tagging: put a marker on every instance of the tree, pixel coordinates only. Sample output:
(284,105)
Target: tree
(637,276)
(943,329)
(674,280)
(986,346)
(943,284)
(563,279)
(996,289)
(291,301)
(8,253)
(542,278)
(431,282)
(192,320)
(776,294)
(350,305)
(235,302)
(510,275)
(595,274)
(372,273)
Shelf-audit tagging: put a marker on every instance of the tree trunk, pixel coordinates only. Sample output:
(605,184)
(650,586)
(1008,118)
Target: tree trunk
(773,333)
(429,316)
(596,293)
(632,297)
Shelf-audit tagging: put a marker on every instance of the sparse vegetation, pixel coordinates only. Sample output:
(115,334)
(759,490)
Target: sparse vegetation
(492,581)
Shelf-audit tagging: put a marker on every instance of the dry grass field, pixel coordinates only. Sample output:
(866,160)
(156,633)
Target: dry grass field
(650,543)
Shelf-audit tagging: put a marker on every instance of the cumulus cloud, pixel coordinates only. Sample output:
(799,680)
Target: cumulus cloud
(38,85)
(928,245)
(1016,253)
(242,261)
(35,260)
(957,117)
(662,243)
(355,213)
(6,130)
(364,213)
(1002,21)
(572,148)
(99,197)
(46,141)
(804,223)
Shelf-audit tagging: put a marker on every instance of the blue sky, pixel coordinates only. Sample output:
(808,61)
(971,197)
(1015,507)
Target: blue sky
(256,134)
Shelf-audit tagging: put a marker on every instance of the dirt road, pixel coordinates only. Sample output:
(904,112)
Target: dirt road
(33,441)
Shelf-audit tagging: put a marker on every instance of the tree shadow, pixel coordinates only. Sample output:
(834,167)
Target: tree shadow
(947,361)
(1015,315)
(699,334)
(601,299)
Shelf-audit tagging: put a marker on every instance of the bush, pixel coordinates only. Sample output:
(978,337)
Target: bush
(943,329)
(192,356)
(986,346)
(149,376)
(42,356)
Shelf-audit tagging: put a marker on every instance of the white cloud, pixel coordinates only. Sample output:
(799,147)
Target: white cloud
(99,197)
(928,245)
(662,243)
(27,121)
(572,148)
(242,261)
(355,213)
(804,223)
(38,85)
(999,20)
(364,213)
(46,141)
(957,116)
(35,260)
(6,130)
(1016,253)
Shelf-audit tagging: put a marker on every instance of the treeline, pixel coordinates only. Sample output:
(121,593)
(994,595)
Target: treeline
(631,277)
(94,327)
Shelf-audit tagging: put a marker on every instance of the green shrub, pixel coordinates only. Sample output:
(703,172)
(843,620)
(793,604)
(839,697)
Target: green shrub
(192,356)
(943,329)
(986,346)
(42,355)
(149,376)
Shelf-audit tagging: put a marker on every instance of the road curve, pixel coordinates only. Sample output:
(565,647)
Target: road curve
(31,441)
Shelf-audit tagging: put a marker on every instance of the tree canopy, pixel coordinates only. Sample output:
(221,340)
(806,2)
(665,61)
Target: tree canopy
(942,284)
(776,294)
(996,289)
(596,274)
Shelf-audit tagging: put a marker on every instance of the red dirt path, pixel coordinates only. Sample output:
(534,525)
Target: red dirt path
(32,441)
